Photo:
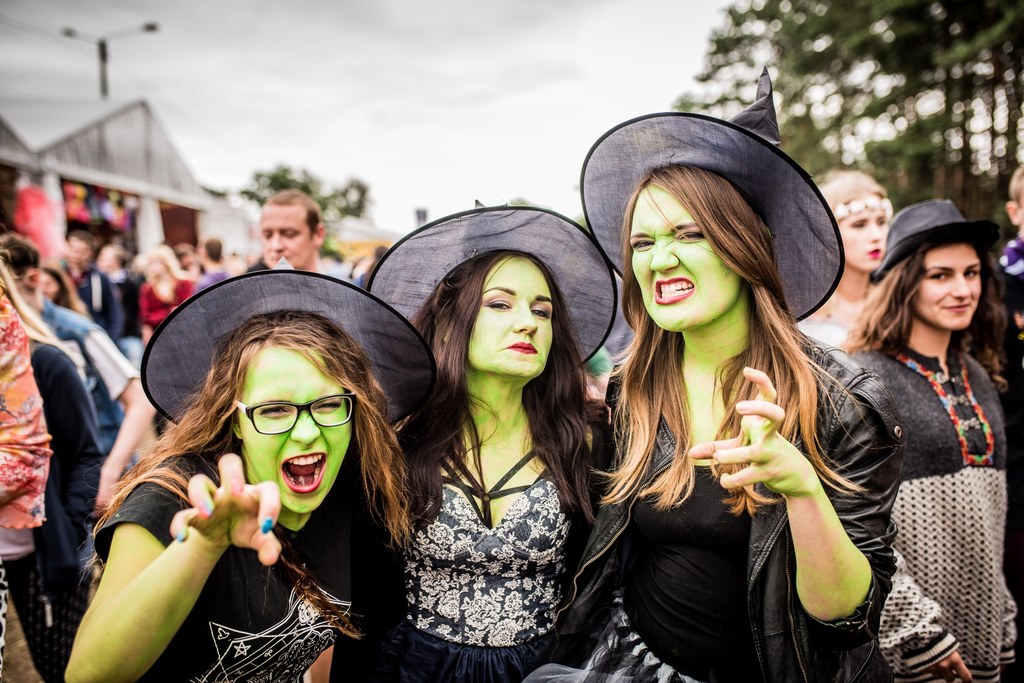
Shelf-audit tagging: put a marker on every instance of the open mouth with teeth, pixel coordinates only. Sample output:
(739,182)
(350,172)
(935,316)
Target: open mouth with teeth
(671,291)
(303,474)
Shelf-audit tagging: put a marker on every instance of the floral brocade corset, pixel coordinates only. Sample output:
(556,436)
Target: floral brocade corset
(496,587)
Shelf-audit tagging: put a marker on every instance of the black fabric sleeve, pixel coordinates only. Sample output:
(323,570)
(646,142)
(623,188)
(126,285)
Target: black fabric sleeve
(151,506)
(112,317)
(71,421)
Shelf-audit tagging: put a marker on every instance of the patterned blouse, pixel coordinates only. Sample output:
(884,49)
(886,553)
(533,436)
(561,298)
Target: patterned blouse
(496,587)
(24,441)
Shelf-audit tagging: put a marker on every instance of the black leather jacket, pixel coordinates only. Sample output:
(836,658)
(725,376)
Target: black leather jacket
(862,439)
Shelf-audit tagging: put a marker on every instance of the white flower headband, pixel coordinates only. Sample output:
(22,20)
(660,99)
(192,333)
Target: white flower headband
(857,206)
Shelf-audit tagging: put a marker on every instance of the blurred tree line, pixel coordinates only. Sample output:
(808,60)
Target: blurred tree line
(351,199)
(925,95)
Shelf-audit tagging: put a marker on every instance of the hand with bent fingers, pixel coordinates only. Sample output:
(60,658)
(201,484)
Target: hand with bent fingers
(950,668)
(769,458)
(234,513)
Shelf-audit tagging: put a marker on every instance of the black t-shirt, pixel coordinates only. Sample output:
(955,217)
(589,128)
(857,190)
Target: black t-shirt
(686,593)
(248,624)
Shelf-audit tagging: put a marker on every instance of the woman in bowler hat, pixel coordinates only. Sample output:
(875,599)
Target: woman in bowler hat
(932,328)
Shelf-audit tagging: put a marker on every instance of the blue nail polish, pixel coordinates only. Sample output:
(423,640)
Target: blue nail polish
(180,538)
(267,525)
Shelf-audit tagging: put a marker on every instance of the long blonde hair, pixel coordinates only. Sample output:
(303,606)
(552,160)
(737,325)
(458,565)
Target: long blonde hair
(164,286)
(839,186)
(651,378)
(37,330)
(205,431)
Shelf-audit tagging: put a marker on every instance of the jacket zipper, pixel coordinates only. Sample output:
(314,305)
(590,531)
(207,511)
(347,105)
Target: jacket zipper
(47,611)
(792,617)
(629,516)
(594,558)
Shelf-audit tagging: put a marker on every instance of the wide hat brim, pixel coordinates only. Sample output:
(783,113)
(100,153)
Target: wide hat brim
(806,241)
(410,271)
(182,348)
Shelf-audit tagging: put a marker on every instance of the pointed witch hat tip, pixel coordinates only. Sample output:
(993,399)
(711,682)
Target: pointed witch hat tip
(284,265)
(764,83)
(759,117)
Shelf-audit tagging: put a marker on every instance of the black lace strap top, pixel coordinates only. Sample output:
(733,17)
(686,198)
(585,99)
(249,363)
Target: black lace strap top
(483,508)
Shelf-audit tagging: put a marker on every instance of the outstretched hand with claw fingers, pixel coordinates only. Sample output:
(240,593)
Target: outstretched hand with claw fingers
(234,513)
(769,458)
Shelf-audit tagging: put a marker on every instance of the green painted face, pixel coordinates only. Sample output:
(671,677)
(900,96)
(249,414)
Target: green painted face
(685,286)
(512,335)
(304,461)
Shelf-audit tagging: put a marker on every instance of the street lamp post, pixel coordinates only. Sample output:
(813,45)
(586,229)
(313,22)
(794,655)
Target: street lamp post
(101,45)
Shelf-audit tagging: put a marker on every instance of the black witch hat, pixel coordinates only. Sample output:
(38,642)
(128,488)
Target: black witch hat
(407,274)
(744,151)
(183,347)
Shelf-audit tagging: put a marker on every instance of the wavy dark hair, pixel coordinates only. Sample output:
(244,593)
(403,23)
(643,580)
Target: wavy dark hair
(204,431)
(556,403)
(888,316)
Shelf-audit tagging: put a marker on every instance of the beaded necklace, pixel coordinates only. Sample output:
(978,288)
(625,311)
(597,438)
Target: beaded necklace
(947,403)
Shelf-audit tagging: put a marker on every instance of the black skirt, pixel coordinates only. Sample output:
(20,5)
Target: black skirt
(409,655)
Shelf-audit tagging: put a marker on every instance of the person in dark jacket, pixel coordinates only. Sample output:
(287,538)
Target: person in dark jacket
(1011,272)
(50,585)
(501,457)
(47,567)
(746,533)
(94,288)
(115,262)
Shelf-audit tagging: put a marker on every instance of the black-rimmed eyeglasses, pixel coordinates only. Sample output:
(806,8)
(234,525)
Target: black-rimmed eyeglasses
(278,417)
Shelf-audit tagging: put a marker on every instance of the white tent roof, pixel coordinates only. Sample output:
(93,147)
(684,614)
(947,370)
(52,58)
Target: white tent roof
(115,144)
(42,123)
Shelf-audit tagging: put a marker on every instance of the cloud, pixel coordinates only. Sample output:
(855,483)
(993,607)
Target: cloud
(432,103)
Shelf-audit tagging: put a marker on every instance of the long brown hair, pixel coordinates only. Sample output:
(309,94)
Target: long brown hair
(886,322)
(67,294)
(205,432)
(651,379)
(556,404)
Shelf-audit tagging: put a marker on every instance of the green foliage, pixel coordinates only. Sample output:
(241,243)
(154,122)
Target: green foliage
(352,199)
(924,94)
(216,192)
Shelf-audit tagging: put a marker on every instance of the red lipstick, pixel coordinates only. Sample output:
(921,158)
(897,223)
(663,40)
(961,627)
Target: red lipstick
(523,347)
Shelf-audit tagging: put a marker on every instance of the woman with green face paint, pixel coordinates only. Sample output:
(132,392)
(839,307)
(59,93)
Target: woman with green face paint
(500,458)
(745,535)
(247,541)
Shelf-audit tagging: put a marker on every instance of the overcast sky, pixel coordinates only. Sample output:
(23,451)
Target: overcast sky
(434,104)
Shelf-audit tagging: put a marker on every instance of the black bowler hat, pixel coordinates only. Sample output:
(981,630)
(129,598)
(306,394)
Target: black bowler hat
(936,221)
(744,151)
